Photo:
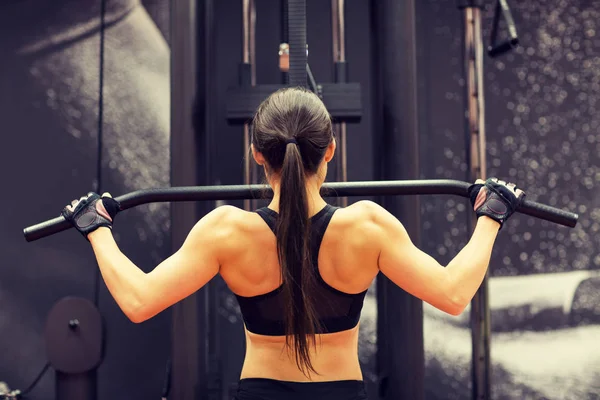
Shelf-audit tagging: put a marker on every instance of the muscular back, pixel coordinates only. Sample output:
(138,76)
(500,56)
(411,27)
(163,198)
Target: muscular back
(347,262)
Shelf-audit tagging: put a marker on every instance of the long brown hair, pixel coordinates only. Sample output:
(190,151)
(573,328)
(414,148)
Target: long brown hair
(298,114)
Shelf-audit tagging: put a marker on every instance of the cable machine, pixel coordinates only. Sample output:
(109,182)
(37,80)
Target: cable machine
(76,374)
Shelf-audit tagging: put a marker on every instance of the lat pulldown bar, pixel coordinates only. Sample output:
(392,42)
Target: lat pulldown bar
(334,189)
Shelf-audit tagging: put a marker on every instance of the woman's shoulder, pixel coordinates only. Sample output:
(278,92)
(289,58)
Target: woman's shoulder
(366,219)
(232,229)
(233,216)
(235,222)
(361,218)
(363,211)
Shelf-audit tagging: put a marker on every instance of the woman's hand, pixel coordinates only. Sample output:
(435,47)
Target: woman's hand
(495,199)
(91,212)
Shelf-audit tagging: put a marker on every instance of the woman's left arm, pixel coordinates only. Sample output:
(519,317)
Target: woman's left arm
(143,295)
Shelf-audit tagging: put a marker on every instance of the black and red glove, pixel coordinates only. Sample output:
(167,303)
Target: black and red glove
(495,199)
(91,212)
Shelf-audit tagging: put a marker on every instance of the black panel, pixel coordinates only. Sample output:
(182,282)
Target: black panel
(343,100)
(400,318)
(188,121)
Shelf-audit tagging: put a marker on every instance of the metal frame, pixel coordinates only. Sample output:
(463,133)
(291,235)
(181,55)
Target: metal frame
(338,25)
(192,33)
(477,168)
(248,78)
(205,110)
(400,345)
(475,143)
(343,100)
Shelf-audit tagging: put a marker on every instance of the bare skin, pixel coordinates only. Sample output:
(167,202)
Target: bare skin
(361,241)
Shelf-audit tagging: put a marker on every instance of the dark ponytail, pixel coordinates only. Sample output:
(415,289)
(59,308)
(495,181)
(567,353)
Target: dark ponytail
(293,227)
(294,113)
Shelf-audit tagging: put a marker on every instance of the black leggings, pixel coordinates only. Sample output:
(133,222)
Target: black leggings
(270,389)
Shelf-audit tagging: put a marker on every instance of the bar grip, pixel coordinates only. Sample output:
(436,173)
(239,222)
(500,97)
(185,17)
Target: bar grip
(548,213)
(332,189)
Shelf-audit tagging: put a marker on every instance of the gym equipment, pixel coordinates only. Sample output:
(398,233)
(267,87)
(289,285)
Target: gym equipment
(336,189)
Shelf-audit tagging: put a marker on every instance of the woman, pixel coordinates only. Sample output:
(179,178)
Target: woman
(300,268)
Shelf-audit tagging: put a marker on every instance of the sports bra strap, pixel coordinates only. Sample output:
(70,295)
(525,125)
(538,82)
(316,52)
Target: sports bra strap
(268,216)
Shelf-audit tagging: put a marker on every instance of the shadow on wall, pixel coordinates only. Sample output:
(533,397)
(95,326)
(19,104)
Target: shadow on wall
(49,103)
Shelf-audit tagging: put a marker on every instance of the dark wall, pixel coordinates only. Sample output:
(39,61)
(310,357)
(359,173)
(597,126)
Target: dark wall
(49,111)
(541,121)
(540,112)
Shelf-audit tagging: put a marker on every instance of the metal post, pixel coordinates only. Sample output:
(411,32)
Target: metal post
(188,350)
(341,76)
(401,360)
(249,78)
(205,111)
(476,159)
(76,386)
(285,41)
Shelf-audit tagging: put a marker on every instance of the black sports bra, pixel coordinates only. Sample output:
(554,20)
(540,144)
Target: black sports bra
(337,311)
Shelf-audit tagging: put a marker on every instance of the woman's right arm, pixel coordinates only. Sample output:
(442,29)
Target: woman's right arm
(449,288)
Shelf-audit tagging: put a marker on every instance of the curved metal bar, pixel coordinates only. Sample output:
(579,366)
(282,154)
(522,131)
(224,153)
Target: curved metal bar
(333,189)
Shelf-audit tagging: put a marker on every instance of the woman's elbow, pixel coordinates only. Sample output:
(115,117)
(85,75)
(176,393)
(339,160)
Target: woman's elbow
(455,309)
(454,301)
(449,306)
(139,306)
(136,318)
(454,304)
(138,314)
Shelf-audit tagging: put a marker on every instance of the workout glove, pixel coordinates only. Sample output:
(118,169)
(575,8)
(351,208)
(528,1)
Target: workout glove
(91,212)
(495,199)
